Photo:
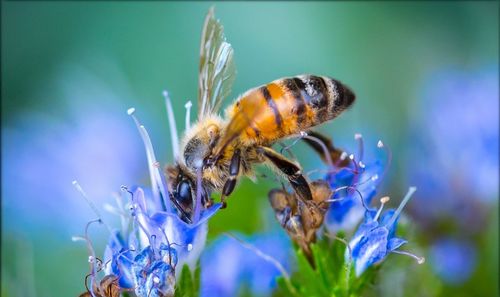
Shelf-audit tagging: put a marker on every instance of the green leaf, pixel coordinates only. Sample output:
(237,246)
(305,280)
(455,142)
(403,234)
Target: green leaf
(188,285)
(326,273)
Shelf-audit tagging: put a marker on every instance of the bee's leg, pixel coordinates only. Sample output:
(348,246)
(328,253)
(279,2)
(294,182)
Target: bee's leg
(291,170)
(335,153)
(234,169)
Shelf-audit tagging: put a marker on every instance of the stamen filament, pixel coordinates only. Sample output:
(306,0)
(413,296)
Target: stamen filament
(188,114)
(388,151)
(173,127)
(93,207)
(402,205)
(158,184)
(84,195)
(383,201)
(149,153)
(342,198)
(420,260)
(359,138)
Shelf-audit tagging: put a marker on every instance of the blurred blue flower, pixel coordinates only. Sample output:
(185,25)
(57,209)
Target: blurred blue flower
(42,152)
(231,267)
(454,162)
(456,136)
(354,186)
(375,237)
(453,260)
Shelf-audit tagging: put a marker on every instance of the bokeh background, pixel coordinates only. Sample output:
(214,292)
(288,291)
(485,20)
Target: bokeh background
(426,79)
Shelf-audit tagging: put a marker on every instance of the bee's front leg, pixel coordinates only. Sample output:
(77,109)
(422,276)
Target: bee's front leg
(234,169)
(291,170)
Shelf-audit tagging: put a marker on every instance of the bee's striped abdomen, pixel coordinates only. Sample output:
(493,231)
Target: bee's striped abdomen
(290,105)
(324,97)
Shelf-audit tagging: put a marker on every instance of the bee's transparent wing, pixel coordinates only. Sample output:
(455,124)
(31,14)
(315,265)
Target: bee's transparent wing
(217,69)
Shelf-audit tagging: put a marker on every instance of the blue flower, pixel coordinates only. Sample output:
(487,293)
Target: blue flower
(157,243)
(453,260)
(375,237)
(354,186)
(154,239)
(230,266)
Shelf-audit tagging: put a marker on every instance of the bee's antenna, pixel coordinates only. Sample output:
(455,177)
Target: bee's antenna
(157,179)
(188,106)
(267,258)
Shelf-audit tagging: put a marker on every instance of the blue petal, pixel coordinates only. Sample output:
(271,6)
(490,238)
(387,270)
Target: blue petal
(140,269)
(371,249)
(384,220)
(346,213)
(121,264)
(140,199)
(168,254)
(395,243)
(160,280)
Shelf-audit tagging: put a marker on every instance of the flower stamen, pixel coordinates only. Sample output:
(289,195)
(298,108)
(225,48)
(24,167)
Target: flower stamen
(420,260)
(342,198)
(172,125)
(407,197)
(188,106)
(359,138)
(383,201)
(388,151)
(158,182)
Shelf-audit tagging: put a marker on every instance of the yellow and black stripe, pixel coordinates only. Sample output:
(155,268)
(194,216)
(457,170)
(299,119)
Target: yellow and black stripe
(289,105)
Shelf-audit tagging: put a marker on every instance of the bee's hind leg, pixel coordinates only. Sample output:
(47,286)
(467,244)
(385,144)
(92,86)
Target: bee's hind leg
(291,170)
(234,169)
(335,153)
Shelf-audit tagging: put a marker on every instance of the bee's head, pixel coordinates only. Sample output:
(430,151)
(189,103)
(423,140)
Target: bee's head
(183,192)
(199,143)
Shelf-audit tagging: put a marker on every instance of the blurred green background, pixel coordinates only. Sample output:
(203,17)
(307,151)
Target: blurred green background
(65,62)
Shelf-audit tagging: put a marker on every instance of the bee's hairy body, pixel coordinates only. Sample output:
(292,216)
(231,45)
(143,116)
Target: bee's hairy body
(286,107)
(292,105)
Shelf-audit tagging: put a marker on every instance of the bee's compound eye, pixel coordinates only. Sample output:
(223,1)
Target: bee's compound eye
(184,193)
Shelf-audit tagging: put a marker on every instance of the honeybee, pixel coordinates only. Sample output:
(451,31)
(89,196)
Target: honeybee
(216,151)
(301,219)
